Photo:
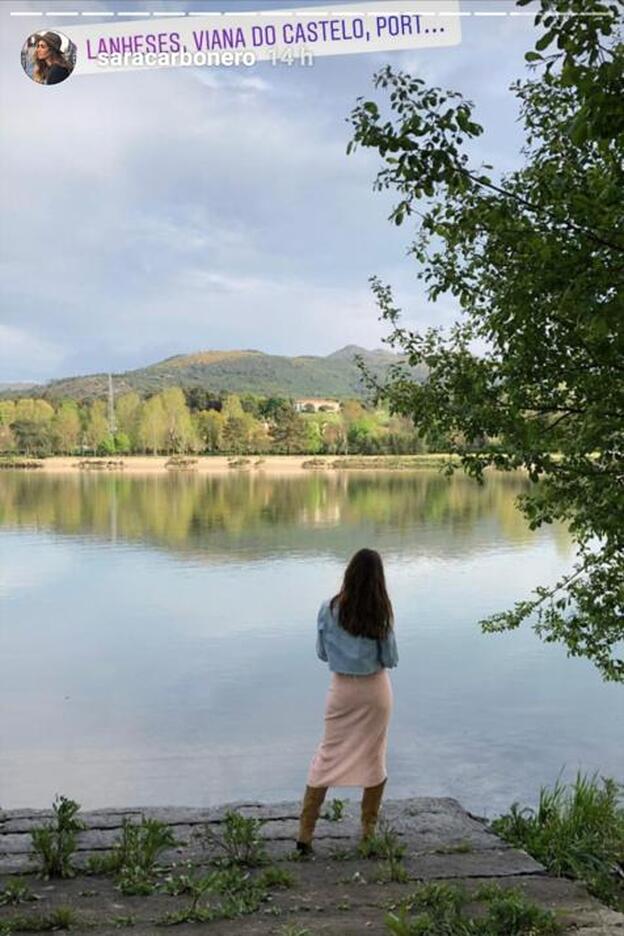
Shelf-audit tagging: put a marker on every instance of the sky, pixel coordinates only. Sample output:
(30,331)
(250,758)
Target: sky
(155,213)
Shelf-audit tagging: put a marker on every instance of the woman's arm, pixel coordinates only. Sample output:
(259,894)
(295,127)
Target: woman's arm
(389,655)
(321,652)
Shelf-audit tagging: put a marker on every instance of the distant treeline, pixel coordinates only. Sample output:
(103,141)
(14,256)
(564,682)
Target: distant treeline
(185,421)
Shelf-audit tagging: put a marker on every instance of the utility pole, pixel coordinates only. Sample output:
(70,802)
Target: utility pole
(112,425)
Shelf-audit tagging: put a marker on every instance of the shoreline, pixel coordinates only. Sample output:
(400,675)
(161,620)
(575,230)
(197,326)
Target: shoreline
(338,891)
(226,464)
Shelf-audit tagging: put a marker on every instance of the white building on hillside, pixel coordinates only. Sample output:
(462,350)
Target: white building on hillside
(316,405)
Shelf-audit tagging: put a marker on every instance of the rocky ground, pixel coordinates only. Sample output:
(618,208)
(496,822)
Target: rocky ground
(336,892)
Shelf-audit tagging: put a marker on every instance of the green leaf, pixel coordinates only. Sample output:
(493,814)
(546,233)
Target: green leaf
(545,40)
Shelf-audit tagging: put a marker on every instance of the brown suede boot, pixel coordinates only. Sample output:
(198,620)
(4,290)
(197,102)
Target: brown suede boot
(312,802)
(371,801)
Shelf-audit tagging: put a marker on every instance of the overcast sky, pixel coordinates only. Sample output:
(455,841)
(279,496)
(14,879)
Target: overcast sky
(156,213)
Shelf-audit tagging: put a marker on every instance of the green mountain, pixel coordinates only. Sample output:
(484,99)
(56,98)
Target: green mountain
(333,376)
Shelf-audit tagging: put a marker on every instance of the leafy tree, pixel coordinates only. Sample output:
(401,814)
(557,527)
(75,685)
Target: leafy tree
(37,411)
(128,415)
(270,406)
(179,428)
(288,430)
(333,436)
(32,437)
(123,443)
(153,425)
(209,428)
(314,436)
(66,427)
(232,406)
(259,438)
(7,412)
(535,258)
(234,438)
(98,429)
(107,446)
(198,399)
(8,442)
(240,430)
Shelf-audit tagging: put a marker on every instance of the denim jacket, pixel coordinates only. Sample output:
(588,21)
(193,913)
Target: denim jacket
(346,653)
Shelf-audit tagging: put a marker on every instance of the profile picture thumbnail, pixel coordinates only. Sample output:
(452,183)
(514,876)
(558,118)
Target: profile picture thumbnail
(48,57)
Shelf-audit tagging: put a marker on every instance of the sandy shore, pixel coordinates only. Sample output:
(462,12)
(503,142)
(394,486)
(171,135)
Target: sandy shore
(221,464)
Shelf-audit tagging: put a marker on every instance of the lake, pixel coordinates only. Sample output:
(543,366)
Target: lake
(157,638)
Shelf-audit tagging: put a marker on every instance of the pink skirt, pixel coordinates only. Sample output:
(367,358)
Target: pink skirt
(353,749)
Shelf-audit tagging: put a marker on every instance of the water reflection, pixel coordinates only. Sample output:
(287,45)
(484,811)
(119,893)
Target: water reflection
(419,513)
(157,638)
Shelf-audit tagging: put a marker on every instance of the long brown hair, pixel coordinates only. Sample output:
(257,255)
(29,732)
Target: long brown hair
(364,608)
(42,69)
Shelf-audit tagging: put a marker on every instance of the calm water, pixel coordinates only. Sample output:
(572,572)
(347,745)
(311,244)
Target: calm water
(157,639)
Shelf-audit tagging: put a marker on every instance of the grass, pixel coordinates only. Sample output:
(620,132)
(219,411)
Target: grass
(16,892)
(341,854)
(577,831)
(461,848)
(277,877)
(240,843)
(227,894)
(134,857)
(385,844)
(336,810)
(55,843)
(439,910)
(63,918)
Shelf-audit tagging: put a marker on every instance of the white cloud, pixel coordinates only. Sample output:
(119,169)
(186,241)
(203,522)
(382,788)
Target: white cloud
(191,207)
(23,354)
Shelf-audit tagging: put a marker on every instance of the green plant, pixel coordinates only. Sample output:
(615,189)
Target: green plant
(16,892)
(142,844)
(240,842)
(370,847)
(576,831)
(63,918)
(119,922)
(135,854)
(461,848)
(180,883)
(385,844)
(341,854)
(509,912)
(101,864)
(55,843)
(336,810)
(134,881)
(276,877)
(293,929)
(437,909)
(443,900)
(297,856)
(508,246)
(239,894)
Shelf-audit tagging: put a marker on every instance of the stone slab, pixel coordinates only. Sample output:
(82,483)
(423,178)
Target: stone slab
(440,837)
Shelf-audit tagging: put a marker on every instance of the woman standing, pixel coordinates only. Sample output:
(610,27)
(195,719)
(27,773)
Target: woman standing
(355,636)
(51,66)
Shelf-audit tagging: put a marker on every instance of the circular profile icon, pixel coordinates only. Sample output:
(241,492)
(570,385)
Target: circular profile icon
(48,57)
